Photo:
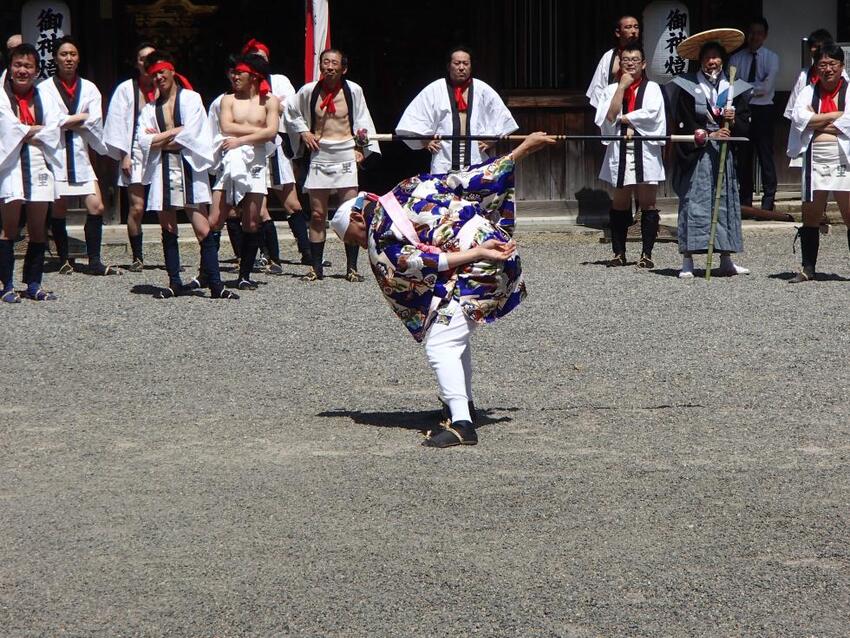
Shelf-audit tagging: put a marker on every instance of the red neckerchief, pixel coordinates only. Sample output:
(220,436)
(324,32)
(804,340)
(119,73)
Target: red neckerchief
(24,107)
(630,96)
(264,87)
(70,89)
(327,104)
(827,100)
(459,99)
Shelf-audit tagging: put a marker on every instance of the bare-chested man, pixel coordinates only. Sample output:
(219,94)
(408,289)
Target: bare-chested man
(321,119)
(249,122)
(177,153)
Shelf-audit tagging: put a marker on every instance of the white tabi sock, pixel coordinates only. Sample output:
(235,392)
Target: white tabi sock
(687,271)
(729,267)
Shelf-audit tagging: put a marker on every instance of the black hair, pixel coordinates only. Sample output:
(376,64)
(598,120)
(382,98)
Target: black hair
(759,20)
(256,62)
(713,44)
(635,46)
(23,50)
(830,50)
(820,36)
(65,39)
(157,56)
(141,46)
(339,53)
(460,48)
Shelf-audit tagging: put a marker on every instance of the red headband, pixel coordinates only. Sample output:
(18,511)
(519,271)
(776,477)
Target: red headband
(255,45)
(162,65)
(264,87)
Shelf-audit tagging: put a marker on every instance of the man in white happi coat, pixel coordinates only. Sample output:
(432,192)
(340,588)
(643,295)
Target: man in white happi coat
(820,135)
(29,142)
(632,106)
(248,126)
(81,106)
(456,105)
(281,174)
(321,119)
(177,153)
(626,31)
(120,136)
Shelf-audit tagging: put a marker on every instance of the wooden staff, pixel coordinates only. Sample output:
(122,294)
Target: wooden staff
(721,173)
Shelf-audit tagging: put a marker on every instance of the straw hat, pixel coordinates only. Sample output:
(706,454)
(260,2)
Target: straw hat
(729,39)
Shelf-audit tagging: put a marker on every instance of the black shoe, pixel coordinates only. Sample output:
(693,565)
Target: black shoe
(458,433)
(224,293)
(806,274)
(102,270)
(196,283)
(767,203)
(618,260)
(645,262)
(247,284)
(170,292)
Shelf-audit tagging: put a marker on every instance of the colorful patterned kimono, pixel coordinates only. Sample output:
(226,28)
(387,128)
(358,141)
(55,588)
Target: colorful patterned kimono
(451,212)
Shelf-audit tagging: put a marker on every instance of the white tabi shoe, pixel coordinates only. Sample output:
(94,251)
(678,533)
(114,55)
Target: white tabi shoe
(687,271)
(729,268)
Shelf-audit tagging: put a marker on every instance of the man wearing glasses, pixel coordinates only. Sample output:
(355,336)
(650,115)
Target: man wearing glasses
(634,105)
(820,134)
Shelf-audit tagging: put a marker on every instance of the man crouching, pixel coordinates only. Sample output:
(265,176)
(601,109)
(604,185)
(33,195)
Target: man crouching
(441,251)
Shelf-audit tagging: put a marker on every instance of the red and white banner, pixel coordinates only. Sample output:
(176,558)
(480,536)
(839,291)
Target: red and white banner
(317,37)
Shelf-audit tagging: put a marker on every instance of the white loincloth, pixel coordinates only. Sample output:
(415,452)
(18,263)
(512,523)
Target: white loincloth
(243,170)
(136,168)
(40,186)
(75,189)
(280,173)
(630,175)
(829,170)
(174,195)
(332,167)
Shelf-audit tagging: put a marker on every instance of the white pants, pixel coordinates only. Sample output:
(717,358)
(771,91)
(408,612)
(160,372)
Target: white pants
(450,356)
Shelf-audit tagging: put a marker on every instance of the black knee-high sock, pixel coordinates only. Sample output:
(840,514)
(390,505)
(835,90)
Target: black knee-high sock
(34,265)
(317,253)
(270,241)
(848,238)
(7,264)
(171,252)
(216,235)
(351,252)
(649,222)
(250,246)
(59,230)
(809,246)
(620,220)
(298,225)
(234,232)
(209,263)
(136,243)
(94,238)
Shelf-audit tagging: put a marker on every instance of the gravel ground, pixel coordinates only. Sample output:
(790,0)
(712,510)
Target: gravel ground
(659,458)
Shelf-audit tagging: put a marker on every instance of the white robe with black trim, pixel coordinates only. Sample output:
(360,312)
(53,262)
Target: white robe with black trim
(280,166)
(73,163)
(434,112)
(602,77)
(196,152)
(14,152)
(300,108)
(647,119)
(800,138)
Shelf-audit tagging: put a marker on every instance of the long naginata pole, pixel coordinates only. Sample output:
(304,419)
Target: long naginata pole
(699,138)
(721,173)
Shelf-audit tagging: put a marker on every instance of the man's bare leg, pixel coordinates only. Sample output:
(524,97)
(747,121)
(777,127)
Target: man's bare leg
(810,236)
(135,213)
(620,218)
(94,234)
(269,240)
(318,217)
(10,213)
(59,230)
(202,224)
(296,219)
(351,250)
(171,253)
(650,220)
(251,207)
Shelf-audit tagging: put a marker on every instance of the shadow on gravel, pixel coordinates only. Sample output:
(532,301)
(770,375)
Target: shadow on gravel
(152,291)
(818,277)
(604,262)
(422,421)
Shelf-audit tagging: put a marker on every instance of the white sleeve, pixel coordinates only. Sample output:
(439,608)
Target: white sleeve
(419,118)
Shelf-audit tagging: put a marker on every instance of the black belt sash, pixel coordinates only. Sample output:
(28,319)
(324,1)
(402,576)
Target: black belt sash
(466,143)
(621,166)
